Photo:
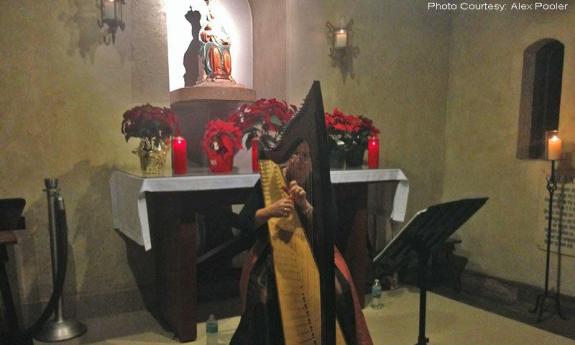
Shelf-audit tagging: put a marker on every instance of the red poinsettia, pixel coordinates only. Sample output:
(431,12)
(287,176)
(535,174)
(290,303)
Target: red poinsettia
(148,121)
(263,119)
(346,131)
(222,139)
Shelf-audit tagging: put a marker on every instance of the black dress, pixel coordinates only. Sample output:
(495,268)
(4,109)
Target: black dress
(261,318)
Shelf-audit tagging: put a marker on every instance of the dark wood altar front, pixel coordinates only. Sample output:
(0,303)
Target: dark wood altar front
(172,207)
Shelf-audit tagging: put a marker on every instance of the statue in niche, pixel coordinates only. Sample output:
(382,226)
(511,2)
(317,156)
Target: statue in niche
(191,57)
(215,48)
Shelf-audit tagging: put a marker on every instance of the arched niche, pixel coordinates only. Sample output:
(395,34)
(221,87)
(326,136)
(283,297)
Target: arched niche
(259,52)
(540,96)
(261,63)
(237,16)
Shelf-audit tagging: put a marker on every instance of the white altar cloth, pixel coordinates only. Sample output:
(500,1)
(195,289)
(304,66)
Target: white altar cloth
(130,212)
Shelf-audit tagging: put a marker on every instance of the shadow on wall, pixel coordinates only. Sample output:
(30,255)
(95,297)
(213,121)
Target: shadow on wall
(81,22)
(97,273)
(142,266)
(565,166)
(191,57)
(106,275)
(35,246)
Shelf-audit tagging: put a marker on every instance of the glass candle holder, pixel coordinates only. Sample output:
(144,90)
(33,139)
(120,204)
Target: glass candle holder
(373,152)
(553,145)
(179,155)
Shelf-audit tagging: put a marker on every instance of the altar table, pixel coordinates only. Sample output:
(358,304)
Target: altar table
(159,214)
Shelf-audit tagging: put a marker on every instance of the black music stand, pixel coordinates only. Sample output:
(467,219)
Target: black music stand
(424,233)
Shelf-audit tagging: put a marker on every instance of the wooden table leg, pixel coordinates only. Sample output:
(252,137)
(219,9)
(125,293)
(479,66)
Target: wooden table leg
(356,251)
(178,300)
(352,211)
(174,238)
(174,231)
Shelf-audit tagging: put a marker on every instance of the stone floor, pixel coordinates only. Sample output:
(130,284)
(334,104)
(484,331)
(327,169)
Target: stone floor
(448,322)
(520,310)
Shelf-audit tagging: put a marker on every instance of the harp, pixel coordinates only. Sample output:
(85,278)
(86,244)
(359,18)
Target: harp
(303,249)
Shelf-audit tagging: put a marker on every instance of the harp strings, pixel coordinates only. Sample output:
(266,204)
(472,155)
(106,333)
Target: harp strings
(295,239)
(301,172)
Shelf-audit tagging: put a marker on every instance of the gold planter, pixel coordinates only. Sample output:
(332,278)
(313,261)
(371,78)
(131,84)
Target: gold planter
(152,153)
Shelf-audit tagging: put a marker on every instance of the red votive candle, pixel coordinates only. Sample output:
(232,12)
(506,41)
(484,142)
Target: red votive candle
(179,155)
(255,155)
(373,152)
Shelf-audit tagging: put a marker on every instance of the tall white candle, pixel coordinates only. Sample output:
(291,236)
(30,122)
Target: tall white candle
(554,148)
(340,38)
(109,9)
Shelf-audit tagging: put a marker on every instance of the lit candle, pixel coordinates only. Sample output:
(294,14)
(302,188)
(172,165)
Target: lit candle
(109,9)
(554,148)
(255,155)
(179,155)
(340,38)
(373,152)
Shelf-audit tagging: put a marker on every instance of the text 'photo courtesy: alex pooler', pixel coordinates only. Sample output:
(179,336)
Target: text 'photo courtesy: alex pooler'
(497,7)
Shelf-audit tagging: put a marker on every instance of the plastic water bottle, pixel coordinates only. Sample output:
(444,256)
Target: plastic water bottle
(376,295)
(212,330)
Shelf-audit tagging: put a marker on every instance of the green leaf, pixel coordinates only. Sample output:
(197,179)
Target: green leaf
(249,137)
(276,121)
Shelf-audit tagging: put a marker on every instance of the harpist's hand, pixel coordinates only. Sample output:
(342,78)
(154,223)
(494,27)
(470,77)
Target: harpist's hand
(297,194)
(281,208)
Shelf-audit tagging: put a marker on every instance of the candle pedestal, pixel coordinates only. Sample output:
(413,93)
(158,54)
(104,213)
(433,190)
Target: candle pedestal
(541,298)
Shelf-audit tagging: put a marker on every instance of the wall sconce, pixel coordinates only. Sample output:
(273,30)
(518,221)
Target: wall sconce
(111,14)
(338,38)
(341,50)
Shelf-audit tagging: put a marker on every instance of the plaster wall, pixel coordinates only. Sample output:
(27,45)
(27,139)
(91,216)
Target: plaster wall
(270,48)
(486,60)
(62,95)
(400,79)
